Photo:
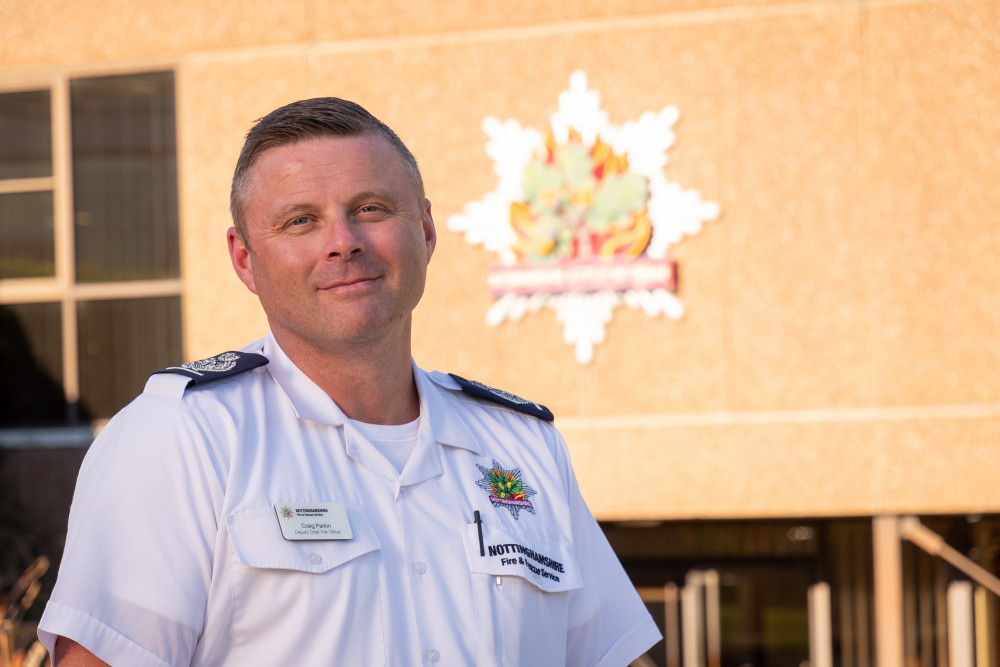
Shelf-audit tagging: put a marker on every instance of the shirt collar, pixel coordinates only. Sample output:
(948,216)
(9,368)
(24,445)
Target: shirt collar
(307,399)
(439,420)
(438,411)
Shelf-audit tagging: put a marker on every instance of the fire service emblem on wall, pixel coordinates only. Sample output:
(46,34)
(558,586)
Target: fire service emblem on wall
(582,217)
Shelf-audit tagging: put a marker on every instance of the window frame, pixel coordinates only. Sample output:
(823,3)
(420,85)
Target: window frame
(62,288)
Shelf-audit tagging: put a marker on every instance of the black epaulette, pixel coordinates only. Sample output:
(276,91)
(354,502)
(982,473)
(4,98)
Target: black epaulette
(481,390)
(218,367)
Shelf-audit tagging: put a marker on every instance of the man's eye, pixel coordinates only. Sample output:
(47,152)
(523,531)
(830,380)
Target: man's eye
(301,220)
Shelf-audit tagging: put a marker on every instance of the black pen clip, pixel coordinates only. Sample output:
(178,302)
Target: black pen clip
(479,525)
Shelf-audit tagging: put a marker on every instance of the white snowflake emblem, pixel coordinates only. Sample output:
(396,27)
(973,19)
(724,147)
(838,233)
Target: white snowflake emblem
(582,217)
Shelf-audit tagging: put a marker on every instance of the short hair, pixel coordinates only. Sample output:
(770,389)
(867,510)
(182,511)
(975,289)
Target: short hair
(300,121)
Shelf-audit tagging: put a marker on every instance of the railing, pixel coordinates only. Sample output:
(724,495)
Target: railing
(956,622)
(970,617)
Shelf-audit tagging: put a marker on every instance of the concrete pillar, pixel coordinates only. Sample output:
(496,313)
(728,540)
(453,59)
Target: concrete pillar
(820,626)
(888,592)
(671,623)
(693,620)
(961,638)
(713,620)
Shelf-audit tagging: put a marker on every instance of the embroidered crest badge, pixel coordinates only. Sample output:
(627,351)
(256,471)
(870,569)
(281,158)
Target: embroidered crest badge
(218,364)
(474,388)
(506,488)
(218,367)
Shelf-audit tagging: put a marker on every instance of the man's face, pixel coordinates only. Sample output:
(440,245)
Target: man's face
(341,240)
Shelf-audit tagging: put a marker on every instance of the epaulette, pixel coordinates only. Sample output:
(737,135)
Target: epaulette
(481,390)
(217,368)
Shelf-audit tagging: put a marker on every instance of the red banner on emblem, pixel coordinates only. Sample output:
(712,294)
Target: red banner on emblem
(583,276)
(510,501)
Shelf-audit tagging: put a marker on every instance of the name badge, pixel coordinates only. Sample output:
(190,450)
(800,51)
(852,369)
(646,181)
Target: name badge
(313,521)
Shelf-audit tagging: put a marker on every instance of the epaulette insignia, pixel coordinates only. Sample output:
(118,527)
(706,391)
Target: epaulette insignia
(481,390)
(218,367)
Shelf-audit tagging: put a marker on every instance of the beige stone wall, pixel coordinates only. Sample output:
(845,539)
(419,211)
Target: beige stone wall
(839,354)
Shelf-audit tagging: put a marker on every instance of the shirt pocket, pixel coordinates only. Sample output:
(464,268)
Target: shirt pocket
(522,589)
(300,602)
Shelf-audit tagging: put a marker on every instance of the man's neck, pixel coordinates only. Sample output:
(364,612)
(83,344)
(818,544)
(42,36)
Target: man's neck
(369,382)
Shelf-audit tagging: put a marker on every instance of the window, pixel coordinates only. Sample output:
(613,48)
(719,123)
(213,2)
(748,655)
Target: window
(89,249)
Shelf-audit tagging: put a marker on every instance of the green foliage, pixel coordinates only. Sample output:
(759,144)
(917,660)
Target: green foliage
(617,198)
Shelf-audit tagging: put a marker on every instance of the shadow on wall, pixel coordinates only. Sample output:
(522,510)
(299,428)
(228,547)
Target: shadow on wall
(32,397)
(36,482)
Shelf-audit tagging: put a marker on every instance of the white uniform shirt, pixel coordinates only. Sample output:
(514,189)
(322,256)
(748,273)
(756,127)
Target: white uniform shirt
(175,556)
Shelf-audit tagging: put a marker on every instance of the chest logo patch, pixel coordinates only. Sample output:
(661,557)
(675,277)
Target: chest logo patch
(506,488)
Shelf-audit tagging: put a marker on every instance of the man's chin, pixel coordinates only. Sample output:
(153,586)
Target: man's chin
(368,330)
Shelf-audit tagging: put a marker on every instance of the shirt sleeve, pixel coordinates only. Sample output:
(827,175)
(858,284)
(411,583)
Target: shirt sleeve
(609,625)
(134,578)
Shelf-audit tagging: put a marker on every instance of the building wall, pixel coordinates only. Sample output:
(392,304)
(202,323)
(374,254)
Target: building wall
(838,354)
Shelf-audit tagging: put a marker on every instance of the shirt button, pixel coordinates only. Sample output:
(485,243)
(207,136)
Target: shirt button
(432,655)
(419,568)
(315,559)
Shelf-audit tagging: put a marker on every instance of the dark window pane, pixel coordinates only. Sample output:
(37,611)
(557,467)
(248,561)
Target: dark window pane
(763,614)
(31,358)
(125,178)
(27,237)
(25,135)
(121,343)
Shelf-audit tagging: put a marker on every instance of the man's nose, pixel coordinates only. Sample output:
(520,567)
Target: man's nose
(344,238)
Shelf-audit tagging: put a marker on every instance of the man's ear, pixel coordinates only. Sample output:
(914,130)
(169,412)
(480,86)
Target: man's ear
(239,253)
(430,233)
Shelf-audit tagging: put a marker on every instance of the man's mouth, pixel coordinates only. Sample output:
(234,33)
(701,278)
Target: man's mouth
(350,284)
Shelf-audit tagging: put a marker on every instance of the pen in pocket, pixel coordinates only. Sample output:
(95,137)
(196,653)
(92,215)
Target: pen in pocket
(479,525)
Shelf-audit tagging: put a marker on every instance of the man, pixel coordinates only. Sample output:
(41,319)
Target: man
(317,499)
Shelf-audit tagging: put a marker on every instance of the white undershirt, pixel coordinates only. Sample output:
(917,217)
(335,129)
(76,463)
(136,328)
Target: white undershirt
(395,441)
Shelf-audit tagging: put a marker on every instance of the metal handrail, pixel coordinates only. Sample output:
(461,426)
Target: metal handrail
(925,538)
